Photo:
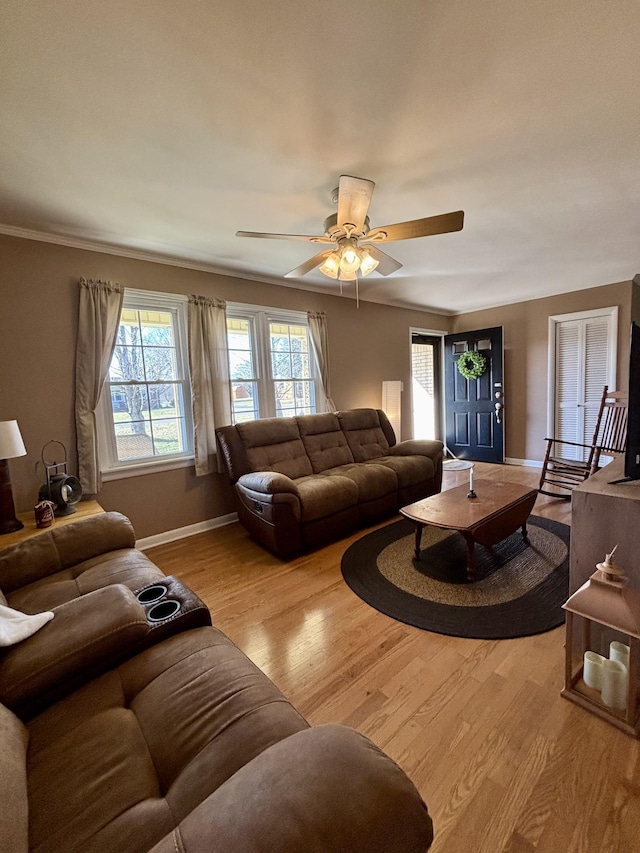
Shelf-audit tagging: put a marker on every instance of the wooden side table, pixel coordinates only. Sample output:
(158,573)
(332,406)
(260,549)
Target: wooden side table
(83,510)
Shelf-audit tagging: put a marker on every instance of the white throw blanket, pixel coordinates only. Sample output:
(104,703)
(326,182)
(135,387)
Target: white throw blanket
(16,626)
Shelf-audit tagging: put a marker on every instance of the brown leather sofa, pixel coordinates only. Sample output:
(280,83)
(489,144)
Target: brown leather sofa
(113,738)
(306,480)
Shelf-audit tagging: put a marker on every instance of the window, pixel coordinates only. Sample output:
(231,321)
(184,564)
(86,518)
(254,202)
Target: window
(272,368)
(146,399)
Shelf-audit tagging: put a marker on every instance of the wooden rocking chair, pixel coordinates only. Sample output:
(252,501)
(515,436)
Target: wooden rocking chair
(561,475)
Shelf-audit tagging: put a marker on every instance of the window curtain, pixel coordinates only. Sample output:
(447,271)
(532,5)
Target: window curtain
(98,320)
(320,342)
(210,387)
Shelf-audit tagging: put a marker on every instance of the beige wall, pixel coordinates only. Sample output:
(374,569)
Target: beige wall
(38,282)
(526,332)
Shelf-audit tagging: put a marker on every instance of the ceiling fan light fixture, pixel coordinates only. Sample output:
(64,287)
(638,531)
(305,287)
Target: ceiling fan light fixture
(367,262)
(349,225)
(350,256)
(331,265)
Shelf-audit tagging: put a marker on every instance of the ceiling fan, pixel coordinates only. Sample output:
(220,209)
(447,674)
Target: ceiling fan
(356,244)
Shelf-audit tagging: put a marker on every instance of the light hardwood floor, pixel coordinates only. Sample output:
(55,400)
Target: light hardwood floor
(503,762)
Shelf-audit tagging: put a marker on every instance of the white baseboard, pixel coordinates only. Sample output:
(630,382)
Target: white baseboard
(183,532)
(223,520)
(530,463)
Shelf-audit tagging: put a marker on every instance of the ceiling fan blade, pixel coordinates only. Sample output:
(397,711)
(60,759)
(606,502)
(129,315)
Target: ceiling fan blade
(427,227)
(309,265)
(354,198)
(386,264)
(307,238)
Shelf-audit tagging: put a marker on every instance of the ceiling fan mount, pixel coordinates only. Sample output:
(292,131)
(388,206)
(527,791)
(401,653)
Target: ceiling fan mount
(356,244)
(334,231)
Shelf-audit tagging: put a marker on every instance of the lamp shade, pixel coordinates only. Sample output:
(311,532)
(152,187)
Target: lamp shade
(331,265)
(392,404)
(11,443)
(349,259)
(367,262)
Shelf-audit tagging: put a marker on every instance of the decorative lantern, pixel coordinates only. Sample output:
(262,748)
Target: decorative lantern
(603,647)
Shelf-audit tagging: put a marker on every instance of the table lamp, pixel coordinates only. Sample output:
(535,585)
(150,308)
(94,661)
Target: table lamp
(11,445)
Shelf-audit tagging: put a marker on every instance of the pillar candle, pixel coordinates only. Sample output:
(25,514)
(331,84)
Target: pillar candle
(592,670)
(470,479)
(620,652)
(615,684)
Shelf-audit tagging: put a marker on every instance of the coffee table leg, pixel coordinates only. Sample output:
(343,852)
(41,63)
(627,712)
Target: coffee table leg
(418,539)
(471,556)
(525,535)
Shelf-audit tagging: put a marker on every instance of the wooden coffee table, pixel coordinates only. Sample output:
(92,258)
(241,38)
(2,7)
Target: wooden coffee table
(497,512)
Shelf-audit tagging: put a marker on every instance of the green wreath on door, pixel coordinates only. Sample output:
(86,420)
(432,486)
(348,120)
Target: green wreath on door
(471,364)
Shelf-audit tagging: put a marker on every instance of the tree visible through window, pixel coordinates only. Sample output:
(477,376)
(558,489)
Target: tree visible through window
(290,368)
(242,369)
(273,372)
(147,384)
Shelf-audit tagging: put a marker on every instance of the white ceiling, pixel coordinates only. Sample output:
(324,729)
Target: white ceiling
(164,127)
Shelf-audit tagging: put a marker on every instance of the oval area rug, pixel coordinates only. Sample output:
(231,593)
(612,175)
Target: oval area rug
(520,588)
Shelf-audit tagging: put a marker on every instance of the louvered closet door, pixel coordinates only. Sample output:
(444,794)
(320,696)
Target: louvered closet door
(582,370)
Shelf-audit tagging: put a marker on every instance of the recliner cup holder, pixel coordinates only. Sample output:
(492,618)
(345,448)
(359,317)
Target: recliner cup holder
(170,607)
(151,593)
(163,610)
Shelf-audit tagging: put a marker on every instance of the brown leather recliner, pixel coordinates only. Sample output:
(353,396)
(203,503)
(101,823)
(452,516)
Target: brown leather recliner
(306,480)
(117,736)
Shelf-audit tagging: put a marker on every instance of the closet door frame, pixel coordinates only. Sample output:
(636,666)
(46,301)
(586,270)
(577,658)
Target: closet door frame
(611,314)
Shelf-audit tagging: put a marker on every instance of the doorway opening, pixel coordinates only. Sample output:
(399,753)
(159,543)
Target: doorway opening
(426,385)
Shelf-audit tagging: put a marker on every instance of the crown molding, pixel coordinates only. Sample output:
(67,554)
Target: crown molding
(126,252)
(184,263)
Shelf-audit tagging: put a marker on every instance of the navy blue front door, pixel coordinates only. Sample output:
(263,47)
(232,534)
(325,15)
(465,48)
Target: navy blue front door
(474,413)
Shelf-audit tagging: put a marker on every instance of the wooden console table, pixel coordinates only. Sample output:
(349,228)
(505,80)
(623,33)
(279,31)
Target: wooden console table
(83,509)
(604,515)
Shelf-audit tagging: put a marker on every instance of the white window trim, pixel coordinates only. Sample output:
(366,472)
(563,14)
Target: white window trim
(113,469)
(260,314)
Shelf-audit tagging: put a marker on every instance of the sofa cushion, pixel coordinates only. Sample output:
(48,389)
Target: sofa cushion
(364,434)
(274,444)
(324,441)
(116,765)
(62,548)
(373,481)
(327,788)
(409,470)
(14,823)
(127,565)
(322,496)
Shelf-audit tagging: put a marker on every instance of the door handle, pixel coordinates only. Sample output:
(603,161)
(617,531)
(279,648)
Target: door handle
(499,406)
